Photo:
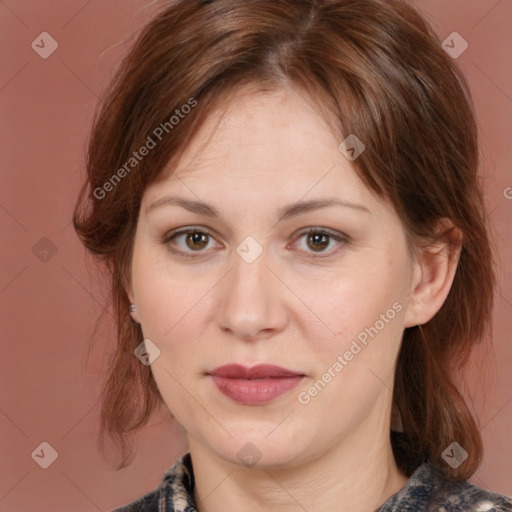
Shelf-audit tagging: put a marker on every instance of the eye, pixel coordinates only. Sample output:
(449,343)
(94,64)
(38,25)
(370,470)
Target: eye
(318,240)
(188,240)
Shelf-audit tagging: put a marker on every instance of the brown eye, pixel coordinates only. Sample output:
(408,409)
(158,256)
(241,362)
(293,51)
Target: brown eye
(318,241)
(197,240)
(321,242)
(189,242)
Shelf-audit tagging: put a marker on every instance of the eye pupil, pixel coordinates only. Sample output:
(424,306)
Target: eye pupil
(320,240)
(199,240)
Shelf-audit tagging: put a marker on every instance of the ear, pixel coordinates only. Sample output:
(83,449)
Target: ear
(134,314)
(434,271)
(131,298)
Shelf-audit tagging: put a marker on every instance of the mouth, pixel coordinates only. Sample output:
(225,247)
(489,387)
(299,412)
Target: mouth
(256,385)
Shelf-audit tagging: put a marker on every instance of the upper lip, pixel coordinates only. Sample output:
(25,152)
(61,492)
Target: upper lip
(260,371)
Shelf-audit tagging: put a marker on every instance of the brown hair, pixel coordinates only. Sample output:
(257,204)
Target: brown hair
(377,67)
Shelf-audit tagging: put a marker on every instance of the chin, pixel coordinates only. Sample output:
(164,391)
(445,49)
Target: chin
(259,450)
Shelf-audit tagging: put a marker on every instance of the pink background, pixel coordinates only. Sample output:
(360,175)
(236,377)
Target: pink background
(48,308)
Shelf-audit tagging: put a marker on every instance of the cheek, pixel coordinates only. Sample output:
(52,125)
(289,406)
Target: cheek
(360,334)
(368,333)
(348,303)
(167,299)
(353,366)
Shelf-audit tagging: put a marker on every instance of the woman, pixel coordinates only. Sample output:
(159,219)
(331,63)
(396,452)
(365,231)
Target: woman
(286,197)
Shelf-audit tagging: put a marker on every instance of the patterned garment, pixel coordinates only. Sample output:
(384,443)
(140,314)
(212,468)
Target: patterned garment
(427,490)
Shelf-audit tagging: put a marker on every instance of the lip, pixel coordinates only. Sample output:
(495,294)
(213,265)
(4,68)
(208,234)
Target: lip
(260,371)
(257,385)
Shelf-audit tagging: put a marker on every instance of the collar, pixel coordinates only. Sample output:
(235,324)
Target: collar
(427,489)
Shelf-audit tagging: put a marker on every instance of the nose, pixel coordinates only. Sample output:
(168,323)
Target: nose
(251,300)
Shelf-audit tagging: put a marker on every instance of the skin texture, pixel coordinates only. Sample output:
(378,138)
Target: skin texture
(295,306)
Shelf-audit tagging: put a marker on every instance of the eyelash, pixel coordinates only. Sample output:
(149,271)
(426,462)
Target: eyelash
(340,238)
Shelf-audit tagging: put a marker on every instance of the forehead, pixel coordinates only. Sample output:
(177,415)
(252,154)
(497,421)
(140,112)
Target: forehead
(264,144)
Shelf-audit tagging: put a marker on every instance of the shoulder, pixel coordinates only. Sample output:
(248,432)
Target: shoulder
(459,496)
(429,490)
(173,494)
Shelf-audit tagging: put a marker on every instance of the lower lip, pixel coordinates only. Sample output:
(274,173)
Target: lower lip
(255,391)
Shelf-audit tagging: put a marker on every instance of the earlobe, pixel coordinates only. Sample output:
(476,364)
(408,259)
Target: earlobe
(413,307)
(435,270)
(132,308)
(133,313)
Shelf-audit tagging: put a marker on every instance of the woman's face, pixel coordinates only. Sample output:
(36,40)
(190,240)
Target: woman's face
(250,286)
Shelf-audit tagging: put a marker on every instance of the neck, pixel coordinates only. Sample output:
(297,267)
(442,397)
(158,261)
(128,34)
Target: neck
(356,475)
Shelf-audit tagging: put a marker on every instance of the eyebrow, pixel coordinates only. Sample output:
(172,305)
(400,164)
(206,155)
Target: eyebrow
(286,212)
